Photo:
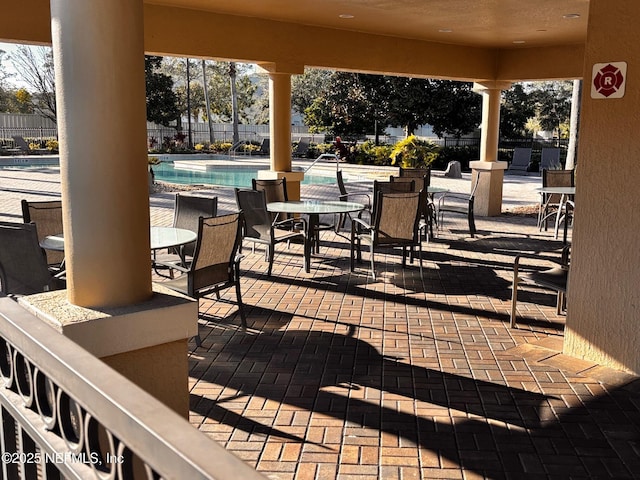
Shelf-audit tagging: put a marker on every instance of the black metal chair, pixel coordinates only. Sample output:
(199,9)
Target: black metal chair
(555,278)
(396,223)
(186,213)
(216,263)
(359,196)
(465,207)
(276,191)
(259,228)
(47,215)
(23,265)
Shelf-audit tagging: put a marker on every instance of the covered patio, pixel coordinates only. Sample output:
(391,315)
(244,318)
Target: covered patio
(431,360)
(339,376)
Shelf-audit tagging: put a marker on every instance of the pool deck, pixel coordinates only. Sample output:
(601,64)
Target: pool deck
(406,377)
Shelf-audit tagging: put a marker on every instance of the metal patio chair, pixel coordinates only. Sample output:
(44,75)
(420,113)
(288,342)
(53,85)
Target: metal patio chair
(47,215)
(23,265)
(259,228)
(555,278)
(216,263)
(395,223)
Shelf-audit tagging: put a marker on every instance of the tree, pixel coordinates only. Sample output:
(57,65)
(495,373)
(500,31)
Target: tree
(23,101)
(455,109)
(409,101)
(162,102)
(307,87)
(515,110)
(553,104)
(344,107)
(35,66)
(5,91)
(233,74)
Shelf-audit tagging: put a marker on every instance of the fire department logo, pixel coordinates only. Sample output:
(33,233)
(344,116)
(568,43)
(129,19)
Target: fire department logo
(609,80)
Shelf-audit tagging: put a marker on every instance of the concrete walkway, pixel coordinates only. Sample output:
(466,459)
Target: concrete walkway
(342,377)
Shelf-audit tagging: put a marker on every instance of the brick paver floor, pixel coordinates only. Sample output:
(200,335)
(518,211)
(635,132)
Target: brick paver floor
(342,377)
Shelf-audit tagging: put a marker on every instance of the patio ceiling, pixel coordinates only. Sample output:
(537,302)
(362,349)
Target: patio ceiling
(503,24)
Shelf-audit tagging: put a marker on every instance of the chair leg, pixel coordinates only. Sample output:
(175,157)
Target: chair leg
(243,317)
(373,269)
(514,298)
(270,255)
(560,303)
(472,223)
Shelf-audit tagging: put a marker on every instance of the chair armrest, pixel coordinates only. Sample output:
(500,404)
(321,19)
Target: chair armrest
(346,196)
(173,266)
(360,223)
(460,196)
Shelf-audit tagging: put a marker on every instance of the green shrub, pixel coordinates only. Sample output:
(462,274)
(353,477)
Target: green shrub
(414,153)
(52,145)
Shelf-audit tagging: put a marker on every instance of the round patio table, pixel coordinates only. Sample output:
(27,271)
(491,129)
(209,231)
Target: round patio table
(313,208)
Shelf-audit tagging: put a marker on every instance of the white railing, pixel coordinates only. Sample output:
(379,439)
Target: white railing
(66,414)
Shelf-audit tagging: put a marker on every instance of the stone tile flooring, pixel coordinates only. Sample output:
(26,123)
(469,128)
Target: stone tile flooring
(342,377)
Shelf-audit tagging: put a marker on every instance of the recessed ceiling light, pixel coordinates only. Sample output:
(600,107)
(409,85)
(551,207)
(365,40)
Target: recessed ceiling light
(346,15)
(569,16)
(445,30)
(518,41)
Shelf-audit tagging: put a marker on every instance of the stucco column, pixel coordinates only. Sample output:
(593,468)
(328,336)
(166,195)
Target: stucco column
(109,307)
(99,66)
(280,127)
(488,200)
(603,298)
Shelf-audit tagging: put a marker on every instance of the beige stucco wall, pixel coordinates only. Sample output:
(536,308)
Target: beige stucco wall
(604,289)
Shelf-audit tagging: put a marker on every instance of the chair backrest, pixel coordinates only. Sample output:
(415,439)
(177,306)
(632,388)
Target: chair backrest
(274,190)
(215,252)
(302,147)
(557,178)
(521,159)
(391,187)
(420,182)
(23,266)
(47,216)
(187,211)
(265,147)
(550,158)
(419,174)
(341,187)
(397,217)
(256,219)
(21,143)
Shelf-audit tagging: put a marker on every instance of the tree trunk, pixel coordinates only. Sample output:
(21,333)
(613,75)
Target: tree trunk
(206,100)
(574,124)
(190,138)
(234,102)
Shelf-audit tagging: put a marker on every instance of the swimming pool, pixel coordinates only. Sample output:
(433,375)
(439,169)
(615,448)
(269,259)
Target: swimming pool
(222,175)
(225,175)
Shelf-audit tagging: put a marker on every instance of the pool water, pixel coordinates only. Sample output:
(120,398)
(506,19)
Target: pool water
(226,175)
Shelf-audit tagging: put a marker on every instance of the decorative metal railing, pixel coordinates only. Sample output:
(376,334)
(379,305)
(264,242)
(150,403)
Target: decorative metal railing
(66,414)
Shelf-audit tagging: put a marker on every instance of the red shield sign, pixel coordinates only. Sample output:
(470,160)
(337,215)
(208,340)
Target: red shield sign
(608,80)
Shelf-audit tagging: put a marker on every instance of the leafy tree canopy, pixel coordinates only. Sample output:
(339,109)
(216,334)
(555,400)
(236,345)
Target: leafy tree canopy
(35,66)
(162,105)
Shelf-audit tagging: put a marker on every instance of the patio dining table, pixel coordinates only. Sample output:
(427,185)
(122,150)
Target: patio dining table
(313,209)
(566,195)
(160,237)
